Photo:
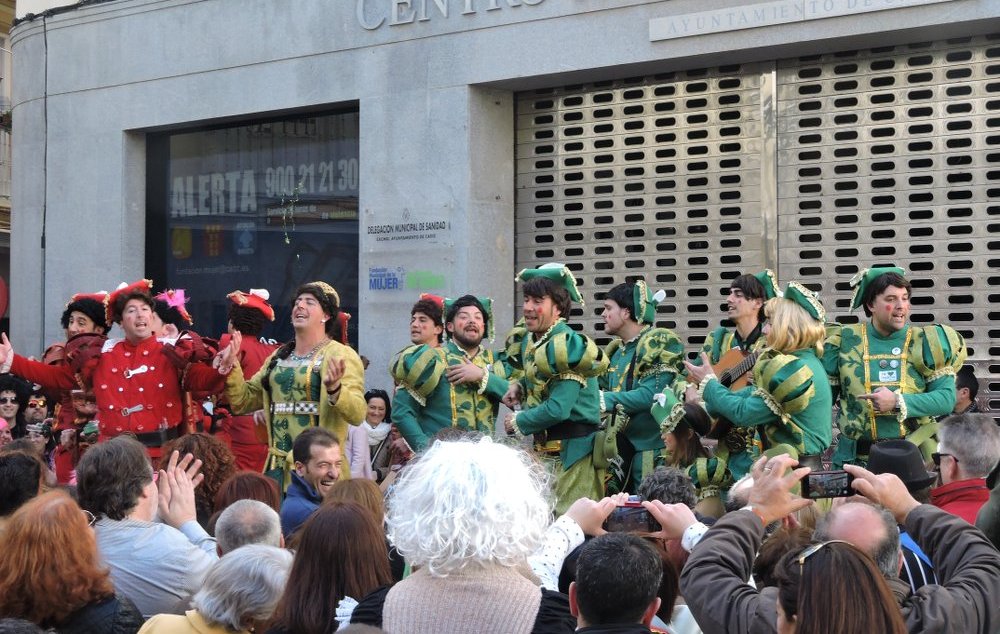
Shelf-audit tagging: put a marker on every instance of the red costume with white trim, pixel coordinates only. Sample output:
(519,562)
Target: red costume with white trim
(137,387)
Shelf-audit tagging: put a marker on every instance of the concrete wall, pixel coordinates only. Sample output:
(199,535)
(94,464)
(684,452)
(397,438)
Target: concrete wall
(435,97)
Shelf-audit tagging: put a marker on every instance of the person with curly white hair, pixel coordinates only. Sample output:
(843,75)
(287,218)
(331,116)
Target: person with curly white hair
(467,516)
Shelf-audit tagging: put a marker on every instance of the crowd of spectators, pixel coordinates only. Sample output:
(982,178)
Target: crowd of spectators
(464,540)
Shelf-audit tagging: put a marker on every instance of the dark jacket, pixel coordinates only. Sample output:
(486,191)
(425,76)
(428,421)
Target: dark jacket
(616,628)
(301,500)
(116,615)
(988,519)
(967,566)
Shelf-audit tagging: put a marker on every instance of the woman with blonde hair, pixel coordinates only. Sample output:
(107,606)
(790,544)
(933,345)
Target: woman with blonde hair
(790,402)
(51,572)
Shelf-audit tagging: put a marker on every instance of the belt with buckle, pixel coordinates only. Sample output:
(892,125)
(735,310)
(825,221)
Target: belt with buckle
(159,438)
(310,408)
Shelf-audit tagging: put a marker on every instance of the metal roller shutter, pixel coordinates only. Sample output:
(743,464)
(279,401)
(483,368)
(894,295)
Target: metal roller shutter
(814,166)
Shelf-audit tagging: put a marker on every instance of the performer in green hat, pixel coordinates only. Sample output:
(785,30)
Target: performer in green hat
(791,400)
(643,361)
(449,386)
(745,308)
(558,393)
(893,377)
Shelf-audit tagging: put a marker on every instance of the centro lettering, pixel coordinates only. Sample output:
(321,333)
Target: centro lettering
(399,12)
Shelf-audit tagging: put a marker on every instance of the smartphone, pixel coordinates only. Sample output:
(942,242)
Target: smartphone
(827,484)
(631,518)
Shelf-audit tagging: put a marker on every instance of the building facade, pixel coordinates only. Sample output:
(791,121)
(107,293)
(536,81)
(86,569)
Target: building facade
(400,146)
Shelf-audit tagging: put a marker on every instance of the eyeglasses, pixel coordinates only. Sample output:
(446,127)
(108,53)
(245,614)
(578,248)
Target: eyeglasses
(936,457)
(91,519)
(7,400)
(33,404)
(809,551)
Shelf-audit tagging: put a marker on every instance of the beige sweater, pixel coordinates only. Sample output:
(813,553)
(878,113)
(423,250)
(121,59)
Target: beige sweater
(491,599)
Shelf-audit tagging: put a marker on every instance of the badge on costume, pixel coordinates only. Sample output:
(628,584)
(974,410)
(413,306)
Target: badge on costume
(894,364)
(897,351)
(888,376)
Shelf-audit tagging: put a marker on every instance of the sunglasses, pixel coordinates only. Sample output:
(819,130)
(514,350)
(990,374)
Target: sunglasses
(809,551)
(936,457)
(90,517)
(6,400)
(36,404)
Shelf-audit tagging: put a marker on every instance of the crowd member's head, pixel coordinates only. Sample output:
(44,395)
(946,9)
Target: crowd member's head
(426,320)
(248,485)
(218,464)
(617,581)
(668,485)
(50,567)
(903,458)
(249,312)
(469,504)
(467,322)
(966,388)
(239,593)
(833,587)
(6,433)
(85,314)
(341,552)
(362,492)
(14,394)
(619,308)
(317,457)
(968,447)
(115,480)
(795,321)
(21,476)
(784,540)
(37,409)
(315,307)
(379,407)
(870,528)
(247,522)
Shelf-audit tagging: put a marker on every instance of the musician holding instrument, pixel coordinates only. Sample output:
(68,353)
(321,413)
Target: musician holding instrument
(733,354)
(790,401)
(643,361)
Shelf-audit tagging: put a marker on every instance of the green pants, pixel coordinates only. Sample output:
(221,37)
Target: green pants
(580,480)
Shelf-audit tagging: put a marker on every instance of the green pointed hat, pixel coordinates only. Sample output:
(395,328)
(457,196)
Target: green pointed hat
(485,303)
(667,410)
(865,277)
(806,299)
(556,272)
(645,302)
(770,282)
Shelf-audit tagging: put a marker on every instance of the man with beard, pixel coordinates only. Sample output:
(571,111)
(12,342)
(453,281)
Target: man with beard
(643,362)
(449,386)
(558,393)
(893,377)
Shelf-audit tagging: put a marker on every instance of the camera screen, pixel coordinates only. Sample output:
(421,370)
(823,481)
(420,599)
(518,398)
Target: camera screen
(828,484)
(626,519)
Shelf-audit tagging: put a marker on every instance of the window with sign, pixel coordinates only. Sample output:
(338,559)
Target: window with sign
(268,204)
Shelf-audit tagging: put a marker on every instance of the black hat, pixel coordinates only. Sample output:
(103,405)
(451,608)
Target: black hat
(902,458)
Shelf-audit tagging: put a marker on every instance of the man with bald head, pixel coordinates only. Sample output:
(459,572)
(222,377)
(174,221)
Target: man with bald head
(872,529)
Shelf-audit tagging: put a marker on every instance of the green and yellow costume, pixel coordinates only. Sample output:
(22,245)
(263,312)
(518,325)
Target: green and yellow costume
(292,394)
(791,399)
(917,362)
(637,370)
(560,391)
(426,402)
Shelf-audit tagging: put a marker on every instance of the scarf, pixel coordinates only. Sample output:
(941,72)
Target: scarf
(378,433)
